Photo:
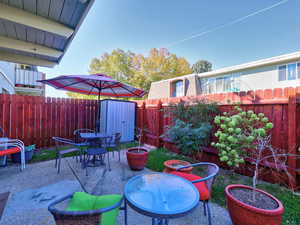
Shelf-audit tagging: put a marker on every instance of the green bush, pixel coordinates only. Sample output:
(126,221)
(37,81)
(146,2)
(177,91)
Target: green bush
(191,124)
(187,138)
(238,132)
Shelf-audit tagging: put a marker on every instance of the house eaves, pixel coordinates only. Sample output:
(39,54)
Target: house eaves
(39,32)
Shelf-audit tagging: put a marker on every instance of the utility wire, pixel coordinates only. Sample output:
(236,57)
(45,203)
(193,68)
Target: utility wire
(228,24)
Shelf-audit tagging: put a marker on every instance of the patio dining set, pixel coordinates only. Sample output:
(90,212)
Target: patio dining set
(161,196)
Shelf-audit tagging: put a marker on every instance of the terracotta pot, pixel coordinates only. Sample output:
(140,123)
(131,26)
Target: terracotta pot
(244,214)
(173,164)
(137,157)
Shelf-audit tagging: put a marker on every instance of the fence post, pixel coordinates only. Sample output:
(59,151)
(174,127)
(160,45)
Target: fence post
(158,126)
(142,122)
(292,147)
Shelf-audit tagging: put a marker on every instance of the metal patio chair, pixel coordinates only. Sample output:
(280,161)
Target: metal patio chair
(59,142)
(115,144)
(77,132)
(13,146)
(203,184)
(96,150)
(86,209)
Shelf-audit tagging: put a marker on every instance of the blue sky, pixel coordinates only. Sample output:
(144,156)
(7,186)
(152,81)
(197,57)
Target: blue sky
(139,25)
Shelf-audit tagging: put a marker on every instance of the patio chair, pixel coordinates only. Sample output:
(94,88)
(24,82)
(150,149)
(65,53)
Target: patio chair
(115,144)
(86,209)
(77,132)
(203,184)
(13,146)
(59,142)
(97,148)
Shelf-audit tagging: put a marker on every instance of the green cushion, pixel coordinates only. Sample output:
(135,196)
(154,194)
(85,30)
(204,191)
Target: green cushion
(82,201)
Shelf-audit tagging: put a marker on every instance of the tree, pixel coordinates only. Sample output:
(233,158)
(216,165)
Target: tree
(201,66)
(139,70)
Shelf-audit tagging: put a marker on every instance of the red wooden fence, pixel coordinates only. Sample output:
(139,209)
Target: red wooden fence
(35,120)
(281,106)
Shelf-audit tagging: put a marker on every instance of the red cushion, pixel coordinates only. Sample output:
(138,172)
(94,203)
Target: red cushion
(201,186)
(10,151)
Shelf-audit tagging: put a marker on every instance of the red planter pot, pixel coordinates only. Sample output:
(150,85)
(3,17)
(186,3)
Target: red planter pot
(244,214)
(137,160)
(173,164)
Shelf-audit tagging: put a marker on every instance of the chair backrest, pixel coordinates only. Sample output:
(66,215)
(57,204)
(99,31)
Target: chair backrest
(106,141)
(118,137)
(63,217)
(77,132)
(90,217)
(211,169)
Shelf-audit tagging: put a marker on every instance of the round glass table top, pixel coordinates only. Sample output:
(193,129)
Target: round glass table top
(161,194)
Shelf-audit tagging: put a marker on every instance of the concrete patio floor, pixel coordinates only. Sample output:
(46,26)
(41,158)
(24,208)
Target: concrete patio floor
(32,190)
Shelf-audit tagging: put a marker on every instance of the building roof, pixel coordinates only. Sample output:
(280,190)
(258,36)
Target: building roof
(38,32)
(295,56)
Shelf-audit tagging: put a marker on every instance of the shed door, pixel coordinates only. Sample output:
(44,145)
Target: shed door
(121,118)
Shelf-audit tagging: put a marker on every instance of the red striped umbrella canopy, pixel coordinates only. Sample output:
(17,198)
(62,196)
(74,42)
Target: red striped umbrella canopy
(94,84)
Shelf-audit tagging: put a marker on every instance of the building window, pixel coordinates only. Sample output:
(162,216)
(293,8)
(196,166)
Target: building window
(292,71)
(211,85)
(282,73)
(25,67)
(227,83)
(178,88)
(219,84)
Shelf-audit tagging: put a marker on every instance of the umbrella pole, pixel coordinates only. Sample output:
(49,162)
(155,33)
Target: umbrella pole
(98,113)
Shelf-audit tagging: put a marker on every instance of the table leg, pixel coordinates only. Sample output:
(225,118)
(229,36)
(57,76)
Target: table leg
(156,221)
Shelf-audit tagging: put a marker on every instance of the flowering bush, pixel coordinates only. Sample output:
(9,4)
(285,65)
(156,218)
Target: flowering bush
(239,131)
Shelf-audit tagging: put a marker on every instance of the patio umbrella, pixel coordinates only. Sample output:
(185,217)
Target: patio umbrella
(94,84)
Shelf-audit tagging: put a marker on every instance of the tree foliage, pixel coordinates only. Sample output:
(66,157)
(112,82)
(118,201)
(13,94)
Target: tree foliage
(202,66)
(139,70)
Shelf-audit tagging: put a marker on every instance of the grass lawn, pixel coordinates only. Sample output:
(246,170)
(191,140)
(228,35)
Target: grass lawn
(49,153)
(290,200)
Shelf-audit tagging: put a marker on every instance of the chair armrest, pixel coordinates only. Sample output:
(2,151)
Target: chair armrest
(210,176)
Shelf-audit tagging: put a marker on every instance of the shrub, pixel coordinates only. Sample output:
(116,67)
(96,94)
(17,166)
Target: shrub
(238,132)
(191,124)
(187,138)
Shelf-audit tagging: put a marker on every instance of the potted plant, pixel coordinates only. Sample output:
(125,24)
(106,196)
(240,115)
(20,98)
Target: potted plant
(137,156)
(243,136)
(174,164)
(29,150)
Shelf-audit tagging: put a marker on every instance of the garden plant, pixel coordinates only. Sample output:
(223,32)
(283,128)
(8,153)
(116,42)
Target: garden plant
(191,125)
(245,136)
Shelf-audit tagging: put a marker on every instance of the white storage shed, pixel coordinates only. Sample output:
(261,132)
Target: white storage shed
(118,116)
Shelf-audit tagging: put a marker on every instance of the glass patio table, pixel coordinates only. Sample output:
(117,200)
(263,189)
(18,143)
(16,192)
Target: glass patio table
(161,196)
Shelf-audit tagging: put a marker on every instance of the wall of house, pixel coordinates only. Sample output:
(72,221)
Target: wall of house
(254,79)
(165,88)
(7,73)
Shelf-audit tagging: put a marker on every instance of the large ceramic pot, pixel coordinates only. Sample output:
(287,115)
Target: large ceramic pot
(173,165)
(245,214)
(137,158)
